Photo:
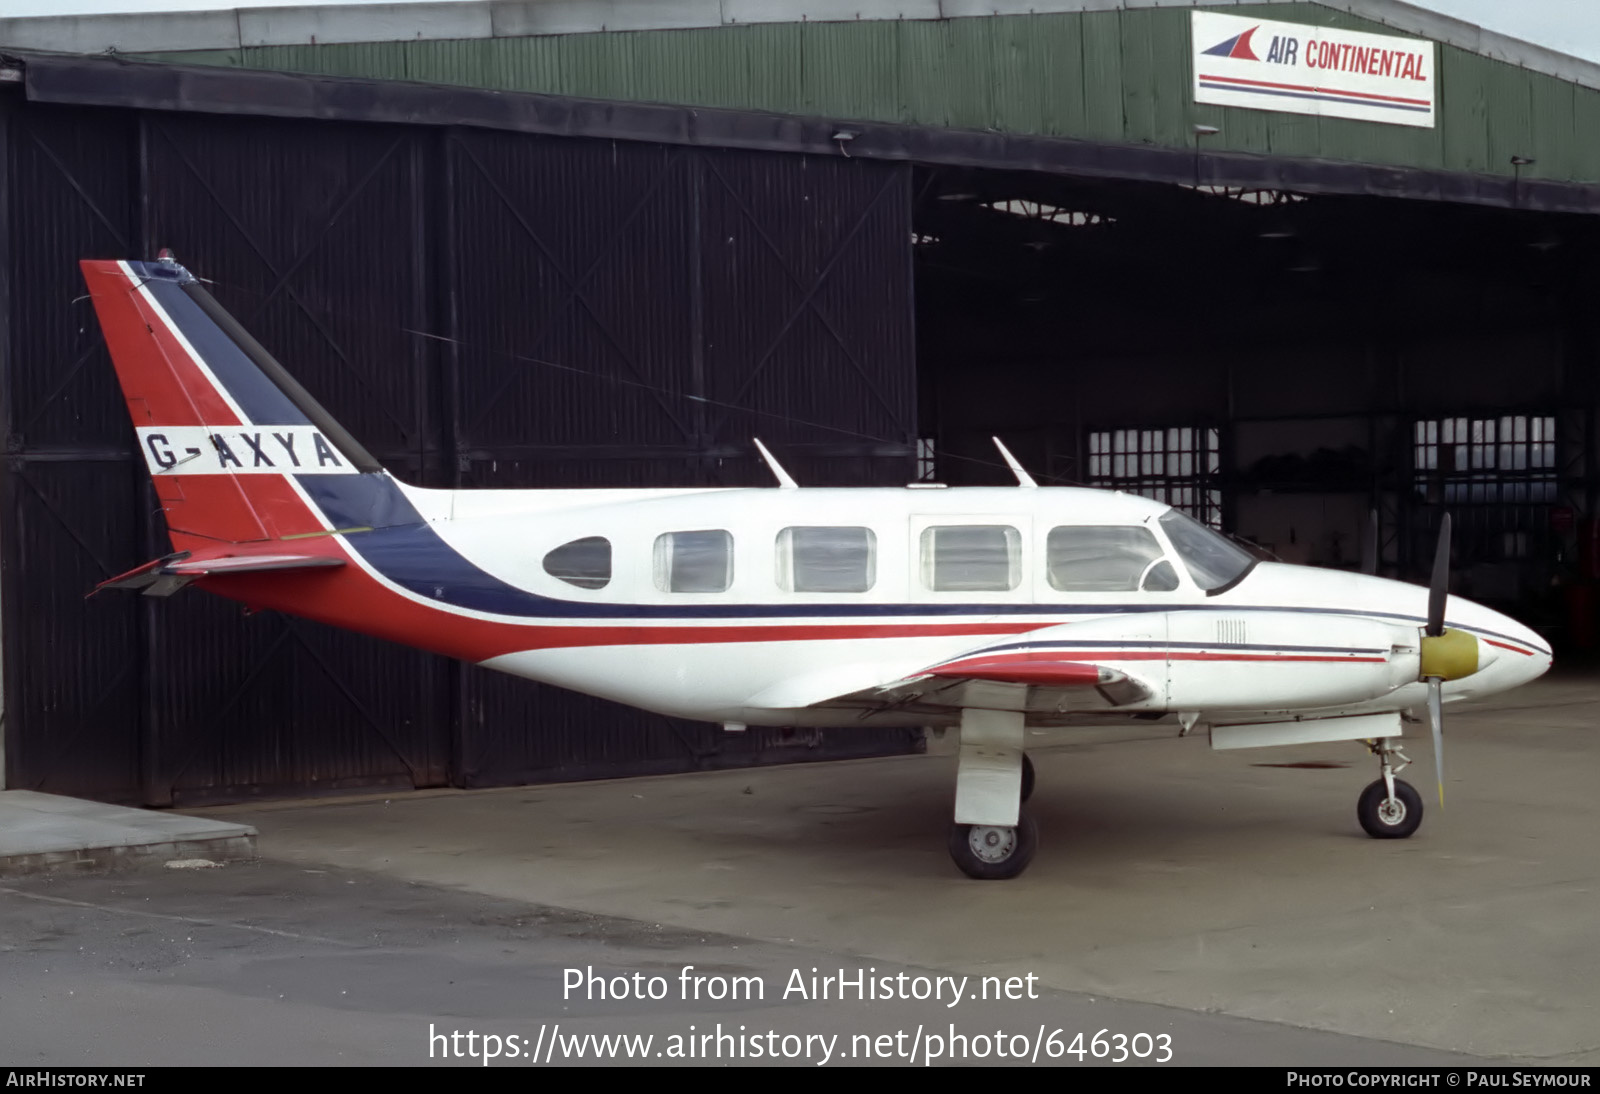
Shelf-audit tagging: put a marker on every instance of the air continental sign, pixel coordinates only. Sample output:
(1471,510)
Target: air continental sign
(1302,69)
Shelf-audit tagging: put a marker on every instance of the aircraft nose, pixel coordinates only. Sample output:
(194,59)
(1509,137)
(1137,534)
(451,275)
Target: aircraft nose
(1524,658)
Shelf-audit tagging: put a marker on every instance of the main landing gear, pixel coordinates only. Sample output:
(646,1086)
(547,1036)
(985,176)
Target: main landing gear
(992,838)
(1389,808)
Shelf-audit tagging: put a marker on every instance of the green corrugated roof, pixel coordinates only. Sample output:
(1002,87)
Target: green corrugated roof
(1120,75)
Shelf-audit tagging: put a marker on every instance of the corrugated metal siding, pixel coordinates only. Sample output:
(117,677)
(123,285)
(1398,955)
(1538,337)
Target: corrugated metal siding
(73,719)
(1111,75)
(330,242)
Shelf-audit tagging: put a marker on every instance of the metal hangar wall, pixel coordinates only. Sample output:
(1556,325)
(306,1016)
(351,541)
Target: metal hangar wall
(480,308)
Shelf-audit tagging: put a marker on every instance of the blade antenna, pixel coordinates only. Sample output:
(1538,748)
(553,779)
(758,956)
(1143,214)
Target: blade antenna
(785,482)
(1023,478)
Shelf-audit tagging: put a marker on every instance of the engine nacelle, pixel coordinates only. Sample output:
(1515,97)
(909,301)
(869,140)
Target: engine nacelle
(1246,660)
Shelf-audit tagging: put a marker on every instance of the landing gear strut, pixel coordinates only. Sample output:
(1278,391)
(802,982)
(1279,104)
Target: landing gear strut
(1389,808)
(992,838)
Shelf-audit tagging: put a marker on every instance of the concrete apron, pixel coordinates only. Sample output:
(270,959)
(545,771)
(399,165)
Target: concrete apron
(1166,873)
(46,833)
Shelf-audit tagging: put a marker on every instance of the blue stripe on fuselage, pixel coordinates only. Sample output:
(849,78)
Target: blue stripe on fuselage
(408,552)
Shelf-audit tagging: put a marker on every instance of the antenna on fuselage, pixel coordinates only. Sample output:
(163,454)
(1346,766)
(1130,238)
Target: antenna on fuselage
(1023,478)
(784,481)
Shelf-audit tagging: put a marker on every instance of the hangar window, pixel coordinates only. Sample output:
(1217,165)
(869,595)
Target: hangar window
(971,558)
(1511,459)
(584,562)
(826,560)
(1105,559)
(1180,466)
(1501,471)
(694,562)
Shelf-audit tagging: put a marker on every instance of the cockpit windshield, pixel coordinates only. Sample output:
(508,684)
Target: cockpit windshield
(1213,561)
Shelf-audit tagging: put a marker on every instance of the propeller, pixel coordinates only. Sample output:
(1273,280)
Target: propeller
(1437,641)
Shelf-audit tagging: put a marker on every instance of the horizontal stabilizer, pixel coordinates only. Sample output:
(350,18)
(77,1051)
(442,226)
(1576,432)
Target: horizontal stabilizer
(165,576)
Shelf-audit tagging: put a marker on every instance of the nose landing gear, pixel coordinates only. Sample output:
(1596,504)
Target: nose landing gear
(1389,808)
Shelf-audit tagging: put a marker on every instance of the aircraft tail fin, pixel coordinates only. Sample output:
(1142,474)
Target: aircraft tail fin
(238,450)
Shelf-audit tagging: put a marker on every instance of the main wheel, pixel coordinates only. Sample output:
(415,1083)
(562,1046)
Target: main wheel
(992,853)
(1027,777)
(1385,819)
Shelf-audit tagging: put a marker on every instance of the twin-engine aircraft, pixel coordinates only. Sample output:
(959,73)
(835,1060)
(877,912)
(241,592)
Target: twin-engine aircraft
(987,610)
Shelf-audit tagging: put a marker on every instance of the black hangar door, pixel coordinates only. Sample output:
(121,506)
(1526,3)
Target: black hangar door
(631,314)
(313,236)
(71,509)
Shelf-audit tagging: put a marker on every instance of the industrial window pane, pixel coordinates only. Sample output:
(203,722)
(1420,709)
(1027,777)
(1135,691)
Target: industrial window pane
(1178,465)
(1098,558)
(971,558)
(584,562)
(1500,470)
(694,562)
(826,560)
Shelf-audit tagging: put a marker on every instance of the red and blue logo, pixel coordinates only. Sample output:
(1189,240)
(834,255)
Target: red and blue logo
(1237,46)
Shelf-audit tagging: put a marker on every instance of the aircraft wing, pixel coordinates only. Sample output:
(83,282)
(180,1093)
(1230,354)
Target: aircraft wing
(1050,685)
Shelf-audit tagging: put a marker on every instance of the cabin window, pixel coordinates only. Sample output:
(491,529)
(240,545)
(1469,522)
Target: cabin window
(1161,578)
(971,558)
(584,562)
(694,562)
(1103,559)
(826,560)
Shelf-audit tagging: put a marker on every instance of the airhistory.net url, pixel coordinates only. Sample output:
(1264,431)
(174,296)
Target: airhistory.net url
(721,1043)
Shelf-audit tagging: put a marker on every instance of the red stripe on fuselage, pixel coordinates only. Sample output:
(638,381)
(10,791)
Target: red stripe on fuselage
(351,598)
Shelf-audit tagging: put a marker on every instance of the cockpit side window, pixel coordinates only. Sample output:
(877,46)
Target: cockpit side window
(1105,558)
(826,560)
(584,562)
(1213,561)
(694,562)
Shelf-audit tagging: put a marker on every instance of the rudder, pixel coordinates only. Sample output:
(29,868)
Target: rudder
(225,432)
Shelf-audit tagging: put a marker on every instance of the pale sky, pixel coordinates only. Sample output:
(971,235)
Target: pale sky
(1571,26)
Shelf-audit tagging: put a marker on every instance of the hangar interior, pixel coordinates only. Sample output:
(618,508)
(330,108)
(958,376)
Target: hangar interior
(1290,367)
(591,244)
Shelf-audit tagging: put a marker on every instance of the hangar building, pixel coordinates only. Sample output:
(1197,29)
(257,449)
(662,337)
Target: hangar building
(1312,270)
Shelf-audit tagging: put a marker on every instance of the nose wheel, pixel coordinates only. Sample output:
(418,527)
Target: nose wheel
(1389,808)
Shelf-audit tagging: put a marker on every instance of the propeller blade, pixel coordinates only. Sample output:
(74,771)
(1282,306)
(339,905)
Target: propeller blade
(1369,545)
(1436,719)
(1439,588)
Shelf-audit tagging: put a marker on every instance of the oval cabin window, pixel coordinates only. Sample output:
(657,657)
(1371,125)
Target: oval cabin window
(584,562)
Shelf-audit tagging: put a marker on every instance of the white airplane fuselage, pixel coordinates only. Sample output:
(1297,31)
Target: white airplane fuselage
(757,654)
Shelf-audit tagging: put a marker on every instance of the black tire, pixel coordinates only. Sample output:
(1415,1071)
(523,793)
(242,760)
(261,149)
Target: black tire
(1027,777)
(1381,821)
(990,864)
